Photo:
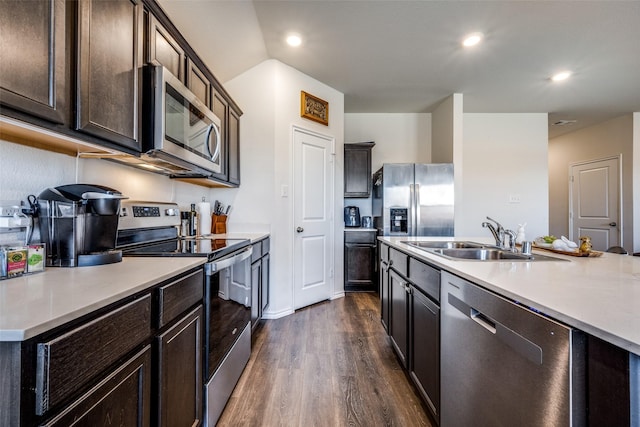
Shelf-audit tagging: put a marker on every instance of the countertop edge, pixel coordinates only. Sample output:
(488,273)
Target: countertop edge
(17,334)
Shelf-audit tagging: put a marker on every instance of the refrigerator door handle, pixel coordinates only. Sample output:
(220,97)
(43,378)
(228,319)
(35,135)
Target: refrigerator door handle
(411,216)
(416,205)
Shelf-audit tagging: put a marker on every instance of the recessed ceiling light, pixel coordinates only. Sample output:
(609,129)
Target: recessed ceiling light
(294,40)
(472,39)
(563,75)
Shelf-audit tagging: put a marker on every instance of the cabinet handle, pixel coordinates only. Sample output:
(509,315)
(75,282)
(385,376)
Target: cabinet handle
(612,224)
(299,229)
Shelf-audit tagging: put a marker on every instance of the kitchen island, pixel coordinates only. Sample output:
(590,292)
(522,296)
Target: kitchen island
(489,342)
(598,295)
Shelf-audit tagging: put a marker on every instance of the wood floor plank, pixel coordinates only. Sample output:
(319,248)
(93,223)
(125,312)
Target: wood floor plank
(330,364)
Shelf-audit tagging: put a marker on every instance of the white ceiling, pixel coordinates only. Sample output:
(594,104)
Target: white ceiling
(405,56)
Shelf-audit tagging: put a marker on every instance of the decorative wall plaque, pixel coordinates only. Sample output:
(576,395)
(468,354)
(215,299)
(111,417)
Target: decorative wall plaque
(314,108)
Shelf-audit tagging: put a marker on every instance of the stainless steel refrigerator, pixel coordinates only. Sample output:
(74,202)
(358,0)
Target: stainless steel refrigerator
(413,199)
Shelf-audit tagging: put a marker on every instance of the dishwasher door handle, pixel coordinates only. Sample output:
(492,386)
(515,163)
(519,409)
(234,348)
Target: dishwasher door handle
(483,320)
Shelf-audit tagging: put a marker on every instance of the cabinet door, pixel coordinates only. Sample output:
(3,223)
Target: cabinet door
(220,108)
(33,75)
(425,349)
(180,372)
(398,315)
(264,286)
(256,278)
(384,294)
(357,171)
(359,268)
(109,70)
(163,49)
(120,399)
(198,83)
(233,157)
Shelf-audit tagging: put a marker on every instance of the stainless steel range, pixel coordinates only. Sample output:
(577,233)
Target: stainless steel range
(151,229)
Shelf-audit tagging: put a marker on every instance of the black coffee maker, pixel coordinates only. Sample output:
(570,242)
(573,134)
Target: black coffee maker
(351,216)
(79,224)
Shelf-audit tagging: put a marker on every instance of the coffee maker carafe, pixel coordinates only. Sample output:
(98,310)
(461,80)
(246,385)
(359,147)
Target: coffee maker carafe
(79,224)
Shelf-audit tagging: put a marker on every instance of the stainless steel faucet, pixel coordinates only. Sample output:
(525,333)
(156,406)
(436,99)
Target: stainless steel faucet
(499,233)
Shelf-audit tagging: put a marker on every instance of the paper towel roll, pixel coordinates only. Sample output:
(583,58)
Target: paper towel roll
(204,218)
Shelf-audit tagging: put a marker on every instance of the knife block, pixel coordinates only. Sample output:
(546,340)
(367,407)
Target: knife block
(219,224)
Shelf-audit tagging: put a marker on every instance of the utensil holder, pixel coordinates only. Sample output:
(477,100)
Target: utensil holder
(219,224)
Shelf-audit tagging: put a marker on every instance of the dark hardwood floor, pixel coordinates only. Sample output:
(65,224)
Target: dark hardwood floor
(330,364)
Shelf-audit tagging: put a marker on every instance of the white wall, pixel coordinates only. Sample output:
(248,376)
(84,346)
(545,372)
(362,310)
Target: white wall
(504,155)
(399,138)
(606,139)
(270,98)
(636,183)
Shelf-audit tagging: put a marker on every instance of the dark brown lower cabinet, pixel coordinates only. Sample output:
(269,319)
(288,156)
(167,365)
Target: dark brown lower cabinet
(180,372)
(398,328)
(425,349)
(121,399)
(360,272)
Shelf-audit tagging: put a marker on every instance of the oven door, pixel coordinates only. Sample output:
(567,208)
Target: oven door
(228,308)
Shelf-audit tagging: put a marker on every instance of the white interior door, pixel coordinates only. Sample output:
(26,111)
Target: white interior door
(313,207)
(595,202)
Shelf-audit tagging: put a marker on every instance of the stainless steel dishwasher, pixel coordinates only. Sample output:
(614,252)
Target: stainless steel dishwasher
(506,365)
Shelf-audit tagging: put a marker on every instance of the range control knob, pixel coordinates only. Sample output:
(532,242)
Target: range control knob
(172,212)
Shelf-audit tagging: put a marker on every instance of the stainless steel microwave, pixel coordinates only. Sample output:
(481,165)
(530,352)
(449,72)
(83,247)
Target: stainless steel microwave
(180,133)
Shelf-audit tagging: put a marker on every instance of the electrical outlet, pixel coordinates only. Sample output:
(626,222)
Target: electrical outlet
(10,210)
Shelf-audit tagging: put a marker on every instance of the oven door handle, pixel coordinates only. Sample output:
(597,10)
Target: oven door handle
(221,264)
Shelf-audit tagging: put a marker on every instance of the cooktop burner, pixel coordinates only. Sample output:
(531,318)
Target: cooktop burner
(211,247)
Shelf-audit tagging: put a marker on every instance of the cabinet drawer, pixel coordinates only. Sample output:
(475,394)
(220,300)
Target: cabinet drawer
(66,363)
(266,246)
(425,277)
(360,237)
(176,297)
(398,261)
(257,252)
(128,388)
(384,253)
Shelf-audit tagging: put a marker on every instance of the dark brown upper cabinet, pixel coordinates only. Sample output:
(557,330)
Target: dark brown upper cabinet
(198,83)
(35,83)
(163,49)
(109,70)
(357,169)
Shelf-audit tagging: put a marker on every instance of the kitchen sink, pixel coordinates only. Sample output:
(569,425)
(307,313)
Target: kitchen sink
(489,254)
(445,244)
(473,251)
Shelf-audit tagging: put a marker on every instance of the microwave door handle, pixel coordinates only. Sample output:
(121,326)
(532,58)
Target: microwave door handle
(207,140)
(216,152)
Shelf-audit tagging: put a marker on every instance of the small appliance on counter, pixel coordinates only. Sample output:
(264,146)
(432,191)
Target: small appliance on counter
(79,224)
(351,216)
(367,222)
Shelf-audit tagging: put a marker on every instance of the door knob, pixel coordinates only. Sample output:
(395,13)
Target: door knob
(299,229)
(612,224)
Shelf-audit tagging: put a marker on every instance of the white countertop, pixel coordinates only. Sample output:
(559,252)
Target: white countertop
(254,237)
(32,304)
(600,296)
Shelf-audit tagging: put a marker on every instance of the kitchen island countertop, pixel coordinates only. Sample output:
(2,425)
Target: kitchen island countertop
(34,303)
(599,295)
